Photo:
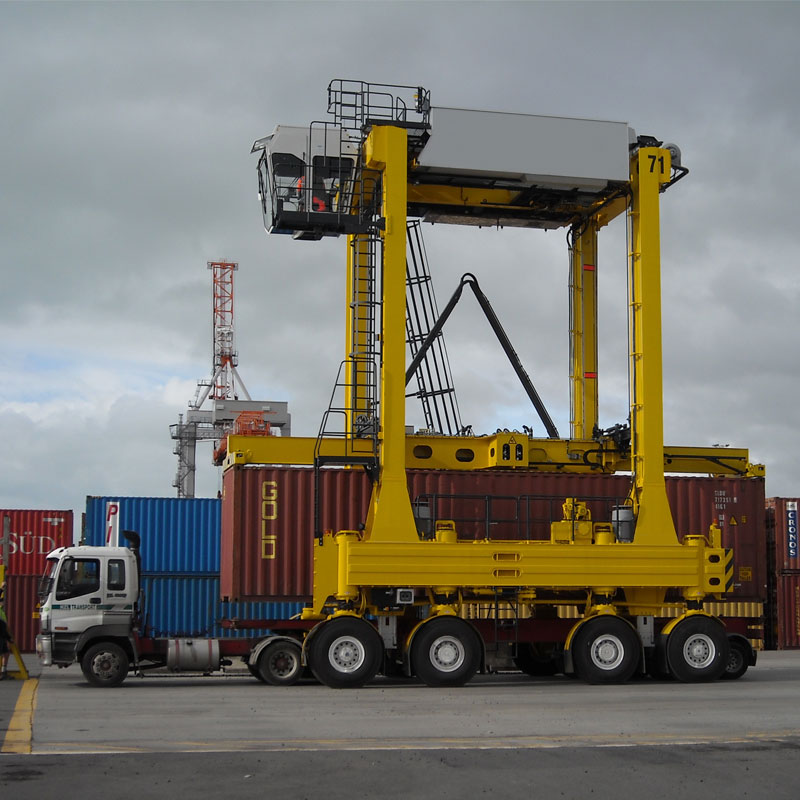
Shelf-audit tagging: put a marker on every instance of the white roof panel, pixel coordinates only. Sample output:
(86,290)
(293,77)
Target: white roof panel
(561,152)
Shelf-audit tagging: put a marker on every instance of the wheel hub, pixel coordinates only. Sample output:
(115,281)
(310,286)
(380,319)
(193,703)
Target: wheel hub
(447,654)
(699,651)
(346,654)
(283,664)
(105,665)
(735,660)
(607,652)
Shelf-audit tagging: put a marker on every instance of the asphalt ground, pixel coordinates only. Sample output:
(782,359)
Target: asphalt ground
(554,737)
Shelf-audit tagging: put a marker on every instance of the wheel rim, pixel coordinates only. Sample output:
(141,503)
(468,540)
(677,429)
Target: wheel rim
(283,663)
(346,654)
(447,653)
(607,652)
(699,651)
(735,660)
(106,665)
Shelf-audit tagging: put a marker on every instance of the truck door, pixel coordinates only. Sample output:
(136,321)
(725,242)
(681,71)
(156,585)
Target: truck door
(77,602)
(120,590)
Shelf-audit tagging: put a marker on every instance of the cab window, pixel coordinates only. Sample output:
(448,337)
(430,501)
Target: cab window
(78,576)
(115,580)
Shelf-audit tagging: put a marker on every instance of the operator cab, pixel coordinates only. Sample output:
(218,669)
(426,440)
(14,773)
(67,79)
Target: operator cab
(306,178)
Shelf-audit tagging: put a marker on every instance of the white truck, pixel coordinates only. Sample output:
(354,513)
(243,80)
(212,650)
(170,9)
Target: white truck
(91,613)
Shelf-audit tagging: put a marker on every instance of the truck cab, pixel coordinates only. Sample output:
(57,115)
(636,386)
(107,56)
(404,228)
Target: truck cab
(86,594)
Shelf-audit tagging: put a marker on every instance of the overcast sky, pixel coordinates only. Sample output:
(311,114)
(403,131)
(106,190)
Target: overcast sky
(125,166)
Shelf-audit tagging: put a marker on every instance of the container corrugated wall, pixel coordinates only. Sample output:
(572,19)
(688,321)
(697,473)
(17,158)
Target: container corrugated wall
(33,535)
(178,534)
(737,506)
(268,517)
(783,531)
(787,627)
(511,505)
(268,527)
(189,605)
(22,609)
(783,630)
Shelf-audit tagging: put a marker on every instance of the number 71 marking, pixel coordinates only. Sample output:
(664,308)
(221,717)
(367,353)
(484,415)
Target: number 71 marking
(653,160)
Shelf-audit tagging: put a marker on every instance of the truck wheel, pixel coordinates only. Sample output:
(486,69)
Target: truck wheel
(738,658)
(105,664)
(606,650)
(279,663)
(537,660)
(445,652)
(345,652)
(736,665)
(697,650)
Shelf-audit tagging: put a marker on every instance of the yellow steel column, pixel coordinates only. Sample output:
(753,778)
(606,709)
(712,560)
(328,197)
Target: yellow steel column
(650,168)
(583,330)
(390,517)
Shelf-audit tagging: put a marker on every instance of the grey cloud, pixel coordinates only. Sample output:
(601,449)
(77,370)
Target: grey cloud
(126,166)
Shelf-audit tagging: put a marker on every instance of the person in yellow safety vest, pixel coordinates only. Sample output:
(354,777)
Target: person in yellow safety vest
(5,640)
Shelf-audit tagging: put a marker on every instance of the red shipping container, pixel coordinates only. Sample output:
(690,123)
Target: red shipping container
(268,517)
(787,629)
(268,527)
(33,535)
(22,610)
(783,532)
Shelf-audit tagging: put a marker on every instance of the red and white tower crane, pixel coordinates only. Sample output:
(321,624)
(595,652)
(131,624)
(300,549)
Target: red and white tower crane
(225,381)
(224,389)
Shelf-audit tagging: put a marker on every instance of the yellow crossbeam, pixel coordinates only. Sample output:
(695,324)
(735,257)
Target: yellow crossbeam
(539,564)
(487,452)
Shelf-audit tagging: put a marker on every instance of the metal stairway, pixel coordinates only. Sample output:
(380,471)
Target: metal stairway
(433,376)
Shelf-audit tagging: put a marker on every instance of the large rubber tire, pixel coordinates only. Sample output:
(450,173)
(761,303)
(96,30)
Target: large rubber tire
(606,649)
(697,650)
(538,660)
(105,664)
(738,660)
(445,652)
(345,653)
(280,663)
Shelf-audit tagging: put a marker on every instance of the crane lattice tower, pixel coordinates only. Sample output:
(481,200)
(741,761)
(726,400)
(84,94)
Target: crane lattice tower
(226,382)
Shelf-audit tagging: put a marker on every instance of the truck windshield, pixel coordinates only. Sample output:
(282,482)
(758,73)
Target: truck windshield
(46,581)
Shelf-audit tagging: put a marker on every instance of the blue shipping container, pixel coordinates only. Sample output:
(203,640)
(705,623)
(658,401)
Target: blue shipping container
(180,564)
(189,605)
(178,534)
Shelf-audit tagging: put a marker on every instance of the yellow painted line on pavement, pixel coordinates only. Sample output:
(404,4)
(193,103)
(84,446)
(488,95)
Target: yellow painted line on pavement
(430,743)
(20,728)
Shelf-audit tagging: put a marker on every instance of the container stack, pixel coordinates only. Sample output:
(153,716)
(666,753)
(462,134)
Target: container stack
(268,520)
(784,573)
(180,550)
(32,535)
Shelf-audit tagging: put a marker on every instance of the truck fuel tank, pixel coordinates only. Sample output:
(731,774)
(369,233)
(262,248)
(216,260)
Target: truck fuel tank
(194,655)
